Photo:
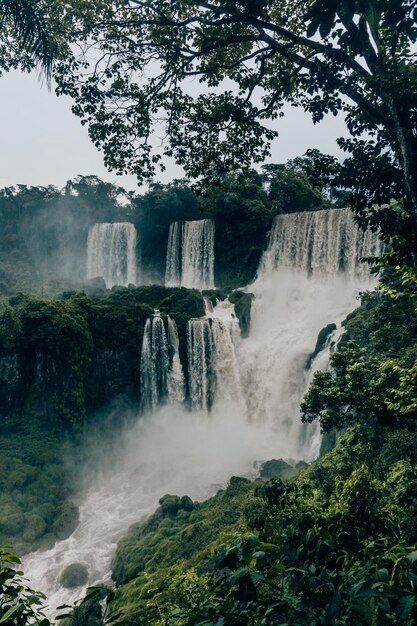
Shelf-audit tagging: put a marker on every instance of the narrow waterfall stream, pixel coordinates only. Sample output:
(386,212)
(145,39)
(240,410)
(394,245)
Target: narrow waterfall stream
(154,364)
(111,253)
(243,394)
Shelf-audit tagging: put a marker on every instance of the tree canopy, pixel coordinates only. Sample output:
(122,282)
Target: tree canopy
(131,82)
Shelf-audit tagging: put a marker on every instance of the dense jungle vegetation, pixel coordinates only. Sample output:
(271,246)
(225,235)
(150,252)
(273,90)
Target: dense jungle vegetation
(66,364)
(335,545)
(67,358)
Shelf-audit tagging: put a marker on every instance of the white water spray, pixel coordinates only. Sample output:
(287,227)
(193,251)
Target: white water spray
(253,387)
(111,253)
(190,255)
(310,276)
(176,381)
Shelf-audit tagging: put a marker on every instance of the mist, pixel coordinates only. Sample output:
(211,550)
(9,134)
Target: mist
(256,386)
(172,451)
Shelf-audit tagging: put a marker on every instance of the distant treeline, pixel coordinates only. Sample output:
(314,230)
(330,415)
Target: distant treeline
(44,229)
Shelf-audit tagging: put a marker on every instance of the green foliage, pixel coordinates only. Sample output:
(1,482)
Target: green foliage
(333,545)
(327,56)
(178,531)
(277,468)
(328,547)
(19,605)
(63,358)
(28,29)
(34,487)
(373,375)
(290,190)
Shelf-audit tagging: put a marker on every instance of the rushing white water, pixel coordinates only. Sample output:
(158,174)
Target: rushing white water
(111,253)
(310,276)
(176,380)
(190,255)
(173,268)
(213,370)
(200,364)
(173,451)
(325,243)
(154,364)
(252,386)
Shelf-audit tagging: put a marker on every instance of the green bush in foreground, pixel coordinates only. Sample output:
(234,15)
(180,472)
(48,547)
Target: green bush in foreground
(19,605)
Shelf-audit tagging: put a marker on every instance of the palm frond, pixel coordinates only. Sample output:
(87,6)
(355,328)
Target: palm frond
(31,30)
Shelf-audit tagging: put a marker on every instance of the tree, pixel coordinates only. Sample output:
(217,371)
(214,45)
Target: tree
(354,57)
(26,36)
(290,189)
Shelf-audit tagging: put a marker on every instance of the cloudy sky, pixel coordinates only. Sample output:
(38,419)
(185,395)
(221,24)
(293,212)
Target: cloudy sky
(43,143)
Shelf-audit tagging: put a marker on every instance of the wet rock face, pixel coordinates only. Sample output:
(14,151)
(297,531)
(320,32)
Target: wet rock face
(44,384)
(113,373)
(12,388)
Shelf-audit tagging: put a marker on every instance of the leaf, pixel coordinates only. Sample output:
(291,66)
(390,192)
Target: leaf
(404,607)
(92,593)
(113,618)
(412,557)
(14,611)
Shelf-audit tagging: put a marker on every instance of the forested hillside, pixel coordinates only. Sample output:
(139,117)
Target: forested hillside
(208,390)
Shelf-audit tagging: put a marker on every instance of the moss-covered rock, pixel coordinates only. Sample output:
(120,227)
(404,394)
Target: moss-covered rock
(243,306)
(66,520)
(320,343)
(74,575)
(277,468)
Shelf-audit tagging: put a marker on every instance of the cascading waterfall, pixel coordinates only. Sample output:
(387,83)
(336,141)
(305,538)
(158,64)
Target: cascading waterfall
(154,364)
(321,242)
(176,381)
(309,277)
(200,363)
(174,255)
(111,253)
(310,441)
(213,369)
(190,255)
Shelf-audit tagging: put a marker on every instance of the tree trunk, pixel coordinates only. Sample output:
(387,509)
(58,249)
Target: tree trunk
(407,143)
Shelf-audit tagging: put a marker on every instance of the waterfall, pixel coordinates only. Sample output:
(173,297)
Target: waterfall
(320,243)
(174,248)
(310,276)
(311,437)
(176,381)
(190,255)
(213,368)
(111,253)
(154,364)
(200,363)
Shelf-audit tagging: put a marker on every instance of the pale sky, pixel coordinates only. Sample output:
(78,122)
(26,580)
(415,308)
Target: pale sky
(43,143)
